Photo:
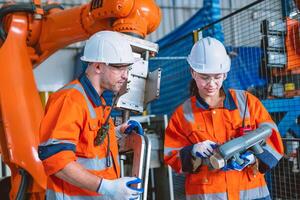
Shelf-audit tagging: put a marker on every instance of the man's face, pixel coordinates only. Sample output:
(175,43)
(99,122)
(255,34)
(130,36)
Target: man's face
(114,76)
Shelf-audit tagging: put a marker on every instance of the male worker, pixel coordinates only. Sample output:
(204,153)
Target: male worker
(212,116)
(79,146)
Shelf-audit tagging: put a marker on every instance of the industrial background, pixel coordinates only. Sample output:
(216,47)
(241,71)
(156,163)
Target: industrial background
(263,40)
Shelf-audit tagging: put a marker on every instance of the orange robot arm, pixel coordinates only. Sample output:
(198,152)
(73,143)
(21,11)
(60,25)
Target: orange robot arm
(30,33)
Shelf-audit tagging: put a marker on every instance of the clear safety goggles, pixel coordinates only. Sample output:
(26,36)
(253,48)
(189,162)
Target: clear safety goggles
(216,78)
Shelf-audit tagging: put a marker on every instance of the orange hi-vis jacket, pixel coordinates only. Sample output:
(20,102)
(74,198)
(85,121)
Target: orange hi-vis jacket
(72,118)
(194,122)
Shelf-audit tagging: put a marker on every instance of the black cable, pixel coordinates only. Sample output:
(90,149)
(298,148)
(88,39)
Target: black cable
(104,130)
(21,7)
(23,185)
(244,114)
(108,161)
(3,169)
(49,7)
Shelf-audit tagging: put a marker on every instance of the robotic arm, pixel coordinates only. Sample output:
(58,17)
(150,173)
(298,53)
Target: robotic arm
(50,28)
(29,34)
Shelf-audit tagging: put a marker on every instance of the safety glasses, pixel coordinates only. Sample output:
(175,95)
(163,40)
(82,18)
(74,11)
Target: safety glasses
(216,78)
(118,68)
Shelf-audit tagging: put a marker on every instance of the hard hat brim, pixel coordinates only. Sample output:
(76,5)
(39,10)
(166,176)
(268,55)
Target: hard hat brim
(131,62)
(202,69)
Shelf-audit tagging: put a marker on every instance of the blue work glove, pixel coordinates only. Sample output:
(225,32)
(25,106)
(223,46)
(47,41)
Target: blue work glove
(120,189)
(248,158)
(134,126)
(203,149)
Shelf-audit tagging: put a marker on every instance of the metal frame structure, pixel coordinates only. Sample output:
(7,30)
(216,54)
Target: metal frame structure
(140,146)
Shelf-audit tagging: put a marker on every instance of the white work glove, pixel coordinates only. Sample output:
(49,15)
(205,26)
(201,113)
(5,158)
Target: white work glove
(203,149)
(120,189)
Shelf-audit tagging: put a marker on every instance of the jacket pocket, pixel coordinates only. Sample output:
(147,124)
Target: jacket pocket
(85,145)
(93,128)
(203,177)
(93,124)
(252,171)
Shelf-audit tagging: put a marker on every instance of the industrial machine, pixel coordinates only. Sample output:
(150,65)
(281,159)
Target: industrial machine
(30,33)
(159,180)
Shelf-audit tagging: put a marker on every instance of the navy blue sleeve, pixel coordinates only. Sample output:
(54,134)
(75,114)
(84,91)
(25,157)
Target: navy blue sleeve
(186,159)
(267,160)
(49,150)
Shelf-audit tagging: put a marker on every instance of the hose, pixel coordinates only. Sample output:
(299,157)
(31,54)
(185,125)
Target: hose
(47,8)
(23,185)
(21,7)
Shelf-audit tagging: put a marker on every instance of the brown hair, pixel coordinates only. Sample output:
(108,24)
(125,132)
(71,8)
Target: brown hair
(193,88)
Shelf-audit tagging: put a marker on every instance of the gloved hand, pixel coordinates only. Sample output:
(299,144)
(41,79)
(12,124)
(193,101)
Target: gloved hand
(248,158)
(120,189)
(203,149)
(134,126)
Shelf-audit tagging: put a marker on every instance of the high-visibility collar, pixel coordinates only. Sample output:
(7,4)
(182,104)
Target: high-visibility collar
(228,102)
(90,90)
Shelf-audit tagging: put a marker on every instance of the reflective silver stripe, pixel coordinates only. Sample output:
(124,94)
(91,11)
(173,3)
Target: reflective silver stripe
(93,163)
(277,155)
(168,150)
(270,124)
(187,111)
(55,141)
(81,90)
(51,195)
(256,193)
(241,98)
(213,196)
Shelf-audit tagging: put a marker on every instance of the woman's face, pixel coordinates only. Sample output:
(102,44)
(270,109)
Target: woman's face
(208,84)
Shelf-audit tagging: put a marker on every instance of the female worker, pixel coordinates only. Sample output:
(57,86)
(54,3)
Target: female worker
(212,116)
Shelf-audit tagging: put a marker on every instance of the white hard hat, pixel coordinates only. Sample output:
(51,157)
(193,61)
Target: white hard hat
(208,56)
(108,47)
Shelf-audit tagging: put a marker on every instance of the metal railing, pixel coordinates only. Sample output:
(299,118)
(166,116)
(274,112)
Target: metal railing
(284,179)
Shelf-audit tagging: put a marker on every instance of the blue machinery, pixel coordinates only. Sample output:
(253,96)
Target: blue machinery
(292,109)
